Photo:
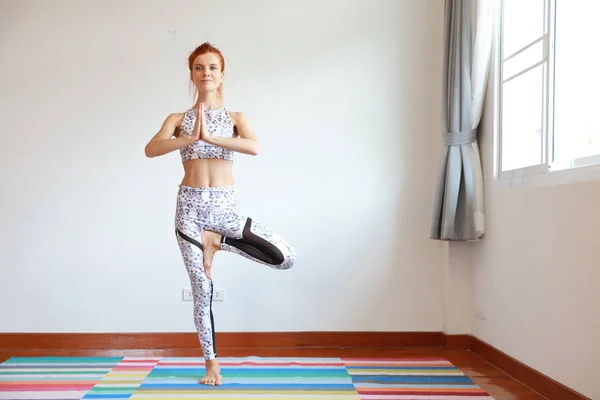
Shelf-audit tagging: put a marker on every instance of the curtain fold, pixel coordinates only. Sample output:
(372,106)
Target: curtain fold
(458,209)
(482,54)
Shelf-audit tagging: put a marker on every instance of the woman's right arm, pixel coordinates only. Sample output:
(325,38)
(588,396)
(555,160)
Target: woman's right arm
(162,143)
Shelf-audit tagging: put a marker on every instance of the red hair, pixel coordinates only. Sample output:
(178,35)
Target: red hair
(203,49)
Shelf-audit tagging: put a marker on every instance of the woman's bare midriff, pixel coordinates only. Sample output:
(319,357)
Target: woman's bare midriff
(208,173)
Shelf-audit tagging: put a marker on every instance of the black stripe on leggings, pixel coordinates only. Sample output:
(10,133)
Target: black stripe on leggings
(212,319)
(256,246)
(189,239)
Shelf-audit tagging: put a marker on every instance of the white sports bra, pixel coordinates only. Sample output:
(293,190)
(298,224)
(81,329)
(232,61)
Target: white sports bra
(218,123)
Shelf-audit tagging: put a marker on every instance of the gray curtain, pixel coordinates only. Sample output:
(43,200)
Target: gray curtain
(453,216)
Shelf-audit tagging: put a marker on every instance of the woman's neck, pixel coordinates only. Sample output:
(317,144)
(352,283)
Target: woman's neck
(211,100)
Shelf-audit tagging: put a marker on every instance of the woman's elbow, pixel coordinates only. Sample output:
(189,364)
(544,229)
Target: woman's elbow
(148,151)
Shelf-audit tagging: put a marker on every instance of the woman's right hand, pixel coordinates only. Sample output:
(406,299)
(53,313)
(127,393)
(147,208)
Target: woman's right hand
(195,135)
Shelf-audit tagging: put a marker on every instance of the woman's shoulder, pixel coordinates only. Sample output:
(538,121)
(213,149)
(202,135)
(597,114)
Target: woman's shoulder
(176,118)
(238,117)
(174,121)
(176,115)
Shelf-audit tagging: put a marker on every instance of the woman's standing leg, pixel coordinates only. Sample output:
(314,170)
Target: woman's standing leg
(188,228)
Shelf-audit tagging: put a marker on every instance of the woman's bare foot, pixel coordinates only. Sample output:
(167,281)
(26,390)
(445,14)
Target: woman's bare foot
(211,243)
(213,374)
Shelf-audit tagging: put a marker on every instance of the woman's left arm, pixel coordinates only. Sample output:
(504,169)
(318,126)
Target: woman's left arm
(246,143)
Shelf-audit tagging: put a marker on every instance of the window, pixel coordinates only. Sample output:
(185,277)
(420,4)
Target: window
(549,97)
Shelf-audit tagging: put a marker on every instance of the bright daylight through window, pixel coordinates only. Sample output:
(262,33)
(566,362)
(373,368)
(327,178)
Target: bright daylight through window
(550,86)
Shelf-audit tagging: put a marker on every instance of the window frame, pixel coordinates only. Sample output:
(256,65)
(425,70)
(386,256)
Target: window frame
(548,163)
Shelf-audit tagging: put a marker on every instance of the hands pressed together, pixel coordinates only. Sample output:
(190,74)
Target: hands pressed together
(200,130)
(245,142)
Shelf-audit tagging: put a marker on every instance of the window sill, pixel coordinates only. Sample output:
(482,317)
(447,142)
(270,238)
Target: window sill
(572,175)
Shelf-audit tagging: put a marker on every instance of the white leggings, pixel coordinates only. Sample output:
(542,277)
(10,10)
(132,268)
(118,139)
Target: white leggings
(216,209)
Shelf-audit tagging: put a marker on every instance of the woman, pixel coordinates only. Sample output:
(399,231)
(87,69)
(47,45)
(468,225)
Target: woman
(207,217)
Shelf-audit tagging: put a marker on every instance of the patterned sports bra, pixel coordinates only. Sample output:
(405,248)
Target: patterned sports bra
(218,123)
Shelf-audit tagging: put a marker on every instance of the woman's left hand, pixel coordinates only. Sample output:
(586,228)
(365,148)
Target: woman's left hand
(204,134)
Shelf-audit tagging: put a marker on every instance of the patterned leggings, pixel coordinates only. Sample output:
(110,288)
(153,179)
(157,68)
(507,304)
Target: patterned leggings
(216,209)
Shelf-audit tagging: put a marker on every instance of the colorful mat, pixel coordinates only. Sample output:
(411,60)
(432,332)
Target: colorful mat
(254,378)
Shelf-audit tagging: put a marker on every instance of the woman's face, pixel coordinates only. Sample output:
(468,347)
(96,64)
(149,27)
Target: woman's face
(206,72)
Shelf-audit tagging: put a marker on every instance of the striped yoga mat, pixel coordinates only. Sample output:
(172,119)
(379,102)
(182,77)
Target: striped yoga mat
(255,378)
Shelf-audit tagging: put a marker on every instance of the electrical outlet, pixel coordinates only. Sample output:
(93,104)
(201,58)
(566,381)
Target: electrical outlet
(219,295)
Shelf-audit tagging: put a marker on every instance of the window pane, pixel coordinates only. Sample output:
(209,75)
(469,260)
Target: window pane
(522,113)
(524,60)
(577,81)
(523,23)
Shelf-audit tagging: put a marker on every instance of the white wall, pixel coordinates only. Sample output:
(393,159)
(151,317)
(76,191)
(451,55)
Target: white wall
(344,96)
(536,274)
